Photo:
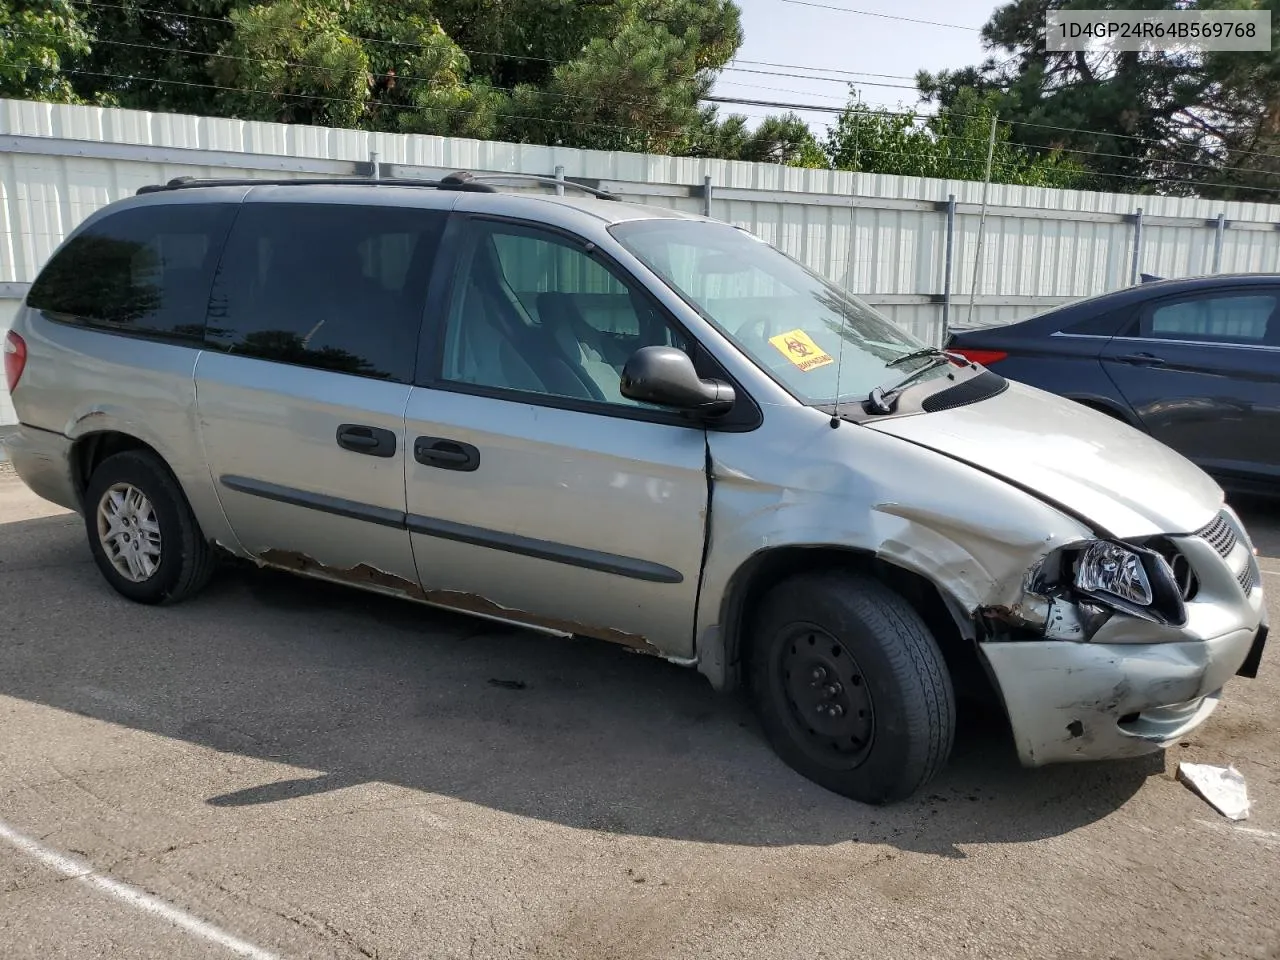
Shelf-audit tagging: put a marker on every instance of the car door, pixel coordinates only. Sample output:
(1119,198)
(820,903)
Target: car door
(312,333)
(1202,371)
(536,492)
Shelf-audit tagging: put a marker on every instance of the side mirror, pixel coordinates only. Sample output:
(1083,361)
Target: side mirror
(665,376)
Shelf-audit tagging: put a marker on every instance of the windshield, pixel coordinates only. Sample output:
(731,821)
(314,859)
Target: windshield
(799,327)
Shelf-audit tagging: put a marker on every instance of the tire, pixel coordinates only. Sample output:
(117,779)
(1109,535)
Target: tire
(896,718)
(174,560)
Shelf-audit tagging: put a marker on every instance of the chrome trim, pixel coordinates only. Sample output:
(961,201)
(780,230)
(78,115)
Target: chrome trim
(1195,343)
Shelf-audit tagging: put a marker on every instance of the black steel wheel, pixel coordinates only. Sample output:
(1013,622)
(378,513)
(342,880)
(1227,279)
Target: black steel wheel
(850,686)
(831,707)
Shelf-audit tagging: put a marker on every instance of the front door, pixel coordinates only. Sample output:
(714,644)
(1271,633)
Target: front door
(1202,371)
(536,492)
(313,326)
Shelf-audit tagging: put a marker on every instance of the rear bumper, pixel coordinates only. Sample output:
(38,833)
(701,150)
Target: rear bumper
(42,458)
(1092,701)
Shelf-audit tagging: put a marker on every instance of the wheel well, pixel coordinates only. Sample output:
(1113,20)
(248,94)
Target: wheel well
(765,570)
(90,450)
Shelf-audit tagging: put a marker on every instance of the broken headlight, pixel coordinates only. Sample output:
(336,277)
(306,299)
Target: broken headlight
(1130,579)
(1112,569)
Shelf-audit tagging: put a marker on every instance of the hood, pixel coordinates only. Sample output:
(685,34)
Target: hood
(1104,471)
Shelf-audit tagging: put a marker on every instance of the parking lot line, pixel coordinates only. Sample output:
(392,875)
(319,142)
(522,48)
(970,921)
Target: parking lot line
(76,869)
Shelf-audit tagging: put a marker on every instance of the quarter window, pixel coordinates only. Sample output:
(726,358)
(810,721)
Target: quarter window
(536,313)
(1248,318)
(331,286)
(144,271)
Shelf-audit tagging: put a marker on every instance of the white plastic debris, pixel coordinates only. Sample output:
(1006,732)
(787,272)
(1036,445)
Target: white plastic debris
(1222,787)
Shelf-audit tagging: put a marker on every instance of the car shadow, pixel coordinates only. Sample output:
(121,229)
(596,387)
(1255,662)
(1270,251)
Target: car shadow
(362,688)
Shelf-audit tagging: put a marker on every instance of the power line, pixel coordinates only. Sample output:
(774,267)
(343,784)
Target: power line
(801,76)
(943,136)
(1121,156)
(1150,177)
(479,53)
(801,66)
(756,86)
(228,22)
(1003,165)
(882,16)
(821,108)
(817,107)
(430,81)
(311,96)
(396,43)
(400,78)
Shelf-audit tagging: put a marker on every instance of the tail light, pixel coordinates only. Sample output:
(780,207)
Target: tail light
(15,359)
(984,357)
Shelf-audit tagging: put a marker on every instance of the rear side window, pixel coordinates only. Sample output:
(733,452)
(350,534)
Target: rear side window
(1100,325)
(330,286)
(145,271)
(1243,318)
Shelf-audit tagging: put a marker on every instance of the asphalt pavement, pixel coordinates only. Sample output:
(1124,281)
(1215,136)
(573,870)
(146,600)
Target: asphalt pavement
(281,768)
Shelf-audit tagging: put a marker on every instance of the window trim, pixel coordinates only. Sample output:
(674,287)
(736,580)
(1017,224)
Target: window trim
(745,416)
(1133,332)
(193,342)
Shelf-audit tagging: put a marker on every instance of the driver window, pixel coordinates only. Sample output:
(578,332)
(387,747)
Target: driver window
(533,312)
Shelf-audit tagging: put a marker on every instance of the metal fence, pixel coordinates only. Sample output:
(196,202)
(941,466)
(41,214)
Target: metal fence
(910,246)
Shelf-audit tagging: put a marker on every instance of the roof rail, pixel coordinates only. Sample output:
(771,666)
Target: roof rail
(461,180)
(551,181)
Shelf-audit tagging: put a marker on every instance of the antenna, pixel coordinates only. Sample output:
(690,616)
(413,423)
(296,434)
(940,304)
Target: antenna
(844,314)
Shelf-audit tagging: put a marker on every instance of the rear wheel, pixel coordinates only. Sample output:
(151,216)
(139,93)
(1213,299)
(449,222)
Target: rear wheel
(142,533)
(850,686)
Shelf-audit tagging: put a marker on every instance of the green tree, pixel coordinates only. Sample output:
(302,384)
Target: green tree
(353,64)
(636,80)
(605,74)
(952,144)
(1163,121)
(151,56)
(292,62)
(784,139)
(36,38)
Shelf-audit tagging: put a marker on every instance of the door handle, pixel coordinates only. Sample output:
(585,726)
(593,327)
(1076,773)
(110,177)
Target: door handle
(371,441)
(1141,359)
(446,454)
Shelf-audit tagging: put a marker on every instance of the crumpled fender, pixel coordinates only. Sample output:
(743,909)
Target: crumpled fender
(796,482)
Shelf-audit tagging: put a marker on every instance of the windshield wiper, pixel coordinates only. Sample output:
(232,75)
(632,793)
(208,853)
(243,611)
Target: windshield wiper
(915,355)
(880,399)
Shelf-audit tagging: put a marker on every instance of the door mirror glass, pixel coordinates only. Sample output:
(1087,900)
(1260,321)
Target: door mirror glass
(666,376)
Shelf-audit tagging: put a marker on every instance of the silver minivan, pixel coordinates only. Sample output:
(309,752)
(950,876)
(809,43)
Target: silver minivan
(600,419)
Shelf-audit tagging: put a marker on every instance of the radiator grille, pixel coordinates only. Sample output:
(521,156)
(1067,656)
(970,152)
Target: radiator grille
(1220,535)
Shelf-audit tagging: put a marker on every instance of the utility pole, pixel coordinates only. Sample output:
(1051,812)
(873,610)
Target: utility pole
(982,222)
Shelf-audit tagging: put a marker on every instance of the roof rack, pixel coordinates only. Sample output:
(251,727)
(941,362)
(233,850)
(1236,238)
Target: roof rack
(537,178)
(462,180)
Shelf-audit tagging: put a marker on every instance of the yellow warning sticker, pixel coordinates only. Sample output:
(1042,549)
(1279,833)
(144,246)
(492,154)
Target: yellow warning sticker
(797,347)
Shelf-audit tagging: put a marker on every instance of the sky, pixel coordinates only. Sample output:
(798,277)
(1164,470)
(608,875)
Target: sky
(804,34)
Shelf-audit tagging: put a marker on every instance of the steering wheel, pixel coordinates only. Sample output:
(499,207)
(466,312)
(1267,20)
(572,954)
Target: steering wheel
(760,328)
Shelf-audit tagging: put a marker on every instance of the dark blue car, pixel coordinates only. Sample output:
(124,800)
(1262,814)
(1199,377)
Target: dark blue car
(1194,363)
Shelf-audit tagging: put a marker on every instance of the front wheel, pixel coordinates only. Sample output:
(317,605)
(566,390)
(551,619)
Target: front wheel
(850,686)
(142,533)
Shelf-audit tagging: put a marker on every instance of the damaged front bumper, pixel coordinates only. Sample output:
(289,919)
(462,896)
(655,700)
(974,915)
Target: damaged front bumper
(1094,701)
(1124,685)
